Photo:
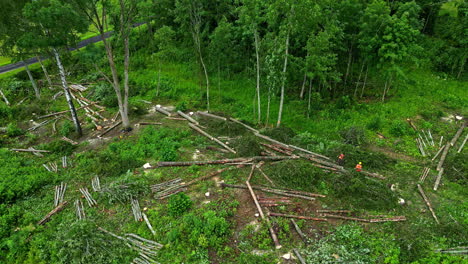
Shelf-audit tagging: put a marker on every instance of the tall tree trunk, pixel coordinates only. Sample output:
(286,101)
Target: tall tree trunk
(365,81)
(33,82)
(257,48)
(350,56)
(384,90)
(206,78)
(462,66)
(66,90)
(280,112)
(301,95)
(125,29)
(44,69)
(359,79)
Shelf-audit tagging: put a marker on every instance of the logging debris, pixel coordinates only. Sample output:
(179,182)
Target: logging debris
(59,193)
(217,162)
(206,114)
(428,203)
(274,191)
(439,176)
(463,144)
(299,231)
(79,209)
(69,140)
(4,98)
(31,149)
(64,162)
(211,137)
(190,119)
(424,174)
(96,184)
(136,210)
(145,217)
(147,249)
(57,209)
(458,134)
(298,255)
(109,129)
(88,197)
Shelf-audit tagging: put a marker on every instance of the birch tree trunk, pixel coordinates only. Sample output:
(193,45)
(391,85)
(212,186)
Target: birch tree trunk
(257,48)
(126,34)
(33,82)
(310,95)
(365,81)
(44,69)
(66,90)
(280,113)
(359,79)
(301,95)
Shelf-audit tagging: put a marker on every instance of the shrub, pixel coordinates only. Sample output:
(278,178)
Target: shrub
(282,134)
(296,174)
(353,135)
(126,188)
(59,147)
(179,204)
(105,94)
(247,146)
(375,124)
(66,128)
(13,130)
(399,128)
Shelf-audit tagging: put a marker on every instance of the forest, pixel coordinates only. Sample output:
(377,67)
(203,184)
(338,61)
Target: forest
(233,131)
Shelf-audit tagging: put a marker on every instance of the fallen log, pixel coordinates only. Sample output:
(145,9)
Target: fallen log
(277,149)
(265,176)
(148,124)
(212,116)
(298,255)
(458,134)
(182,114)
(260,211)
(444,155)
(109,129)
(148,224)
(388,219)
(373,174)
(463,144)
(69,140)
(346,218)
(57,209)
(4,97)
(428,203)
(424,174)
(244,125)
(30,150)
(439,176)
(274,191)
(299,231)
(175,118)
(411,124)
(334,211)
(217,162)
(63,112)
(211,137)
(438,152)
(162,111)
(298,217)
(217,149)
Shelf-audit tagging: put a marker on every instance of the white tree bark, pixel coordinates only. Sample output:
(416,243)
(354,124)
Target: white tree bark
(280,112)
(44,69)
(257,49)
(66,90)
(33,82)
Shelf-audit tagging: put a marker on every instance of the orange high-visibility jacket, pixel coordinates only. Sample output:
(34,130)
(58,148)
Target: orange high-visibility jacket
(341,156)
(358,167)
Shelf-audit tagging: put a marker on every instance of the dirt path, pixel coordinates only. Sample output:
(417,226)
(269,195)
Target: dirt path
(394,155)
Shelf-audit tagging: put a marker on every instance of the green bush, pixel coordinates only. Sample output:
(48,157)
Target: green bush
(247,146)
(375,124)
(353,135)
(399,128)
(296,174)
(13,130)
(282,134)
(20,176)
(59,147)
(66,128)
(105,94)
(179,204)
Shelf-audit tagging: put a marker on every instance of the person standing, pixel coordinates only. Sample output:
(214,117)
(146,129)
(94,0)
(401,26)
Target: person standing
(359,167)
(341,159)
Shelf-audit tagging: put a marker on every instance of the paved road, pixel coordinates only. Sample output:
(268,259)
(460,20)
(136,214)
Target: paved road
(81,44)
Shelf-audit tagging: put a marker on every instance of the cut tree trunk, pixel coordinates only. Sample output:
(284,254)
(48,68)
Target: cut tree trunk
(4,98)
(428,203)
(66,90)
(458,134)
(57,209)
(463,144)
(298,217)
(274,191)
(211,137)
(33,82)
(182,114)
(44,69)
(444,155)
(439,176)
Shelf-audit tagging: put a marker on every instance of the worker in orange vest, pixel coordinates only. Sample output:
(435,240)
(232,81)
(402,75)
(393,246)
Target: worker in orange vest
(341,159)
(359,167)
